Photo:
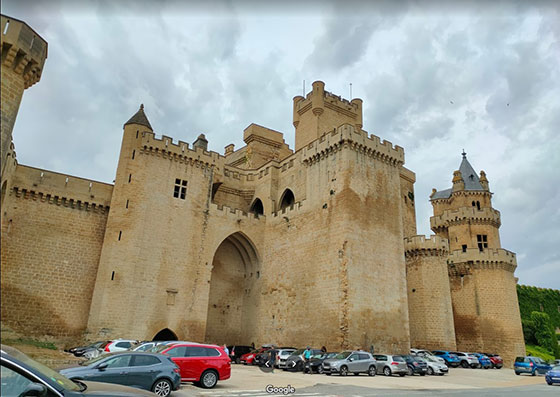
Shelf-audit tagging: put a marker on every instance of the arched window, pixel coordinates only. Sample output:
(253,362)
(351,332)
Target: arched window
(287,199)
(478,205)
(257,207)
(473,204)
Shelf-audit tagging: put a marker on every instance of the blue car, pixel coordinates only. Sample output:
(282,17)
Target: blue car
(483,360)
(530,365)
(553,376)
(450,359)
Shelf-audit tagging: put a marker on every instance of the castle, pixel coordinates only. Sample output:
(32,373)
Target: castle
(311,246)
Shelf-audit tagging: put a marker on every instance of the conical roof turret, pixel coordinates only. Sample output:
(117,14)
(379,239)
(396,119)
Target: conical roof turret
(468,177)
(140,118)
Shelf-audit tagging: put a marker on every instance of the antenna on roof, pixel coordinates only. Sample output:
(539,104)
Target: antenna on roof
(303,88)
(464,154)
(350,91)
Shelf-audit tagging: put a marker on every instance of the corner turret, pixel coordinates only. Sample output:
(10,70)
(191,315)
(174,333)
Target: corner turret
(140,118)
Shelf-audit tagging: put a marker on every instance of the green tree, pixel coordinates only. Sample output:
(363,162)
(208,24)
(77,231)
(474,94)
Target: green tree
(544,332)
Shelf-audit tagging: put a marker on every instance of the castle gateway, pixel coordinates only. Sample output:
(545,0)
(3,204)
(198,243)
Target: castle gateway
(311,246)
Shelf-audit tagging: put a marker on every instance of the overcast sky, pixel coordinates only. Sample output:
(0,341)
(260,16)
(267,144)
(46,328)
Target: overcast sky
(434,79)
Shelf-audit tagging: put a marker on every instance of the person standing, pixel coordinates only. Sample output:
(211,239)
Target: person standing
(272,357)
(226,350)
(306,356)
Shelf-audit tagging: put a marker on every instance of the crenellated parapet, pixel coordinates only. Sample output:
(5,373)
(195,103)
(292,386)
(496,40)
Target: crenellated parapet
(61,189)
(164,147)
(422,246)
(294,209)
(23,50)
(233,213)
(358,140)
(461,263)
(471,215)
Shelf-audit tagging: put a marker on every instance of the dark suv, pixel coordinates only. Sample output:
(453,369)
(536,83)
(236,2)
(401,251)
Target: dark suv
(530,365)
(416,365)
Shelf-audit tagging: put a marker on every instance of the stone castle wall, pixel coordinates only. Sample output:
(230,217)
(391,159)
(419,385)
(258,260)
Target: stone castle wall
(52,233)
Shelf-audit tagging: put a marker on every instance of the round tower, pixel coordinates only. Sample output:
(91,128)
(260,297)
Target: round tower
(429,297)
(481,273)
(23,55)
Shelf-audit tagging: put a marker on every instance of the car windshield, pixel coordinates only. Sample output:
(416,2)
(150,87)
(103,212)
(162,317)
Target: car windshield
(331,355)
(54,376)
(159,348)
(398,359)
(430,359)
(556,368)
(342,355)
(298,352)
(97,359)
(539,360)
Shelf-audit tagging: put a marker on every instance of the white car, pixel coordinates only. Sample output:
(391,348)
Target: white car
(435,367)
(282,356)
(467,359)
(426,353)
(119,345)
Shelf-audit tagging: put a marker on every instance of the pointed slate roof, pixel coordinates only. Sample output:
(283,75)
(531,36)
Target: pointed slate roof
(472,181)
(140,118)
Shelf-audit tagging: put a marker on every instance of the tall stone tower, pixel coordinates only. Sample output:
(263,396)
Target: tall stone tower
(23,55)
(481,273)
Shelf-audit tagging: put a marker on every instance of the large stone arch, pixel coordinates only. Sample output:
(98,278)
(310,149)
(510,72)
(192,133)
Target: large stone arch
(287,199)
(234,292)
(165,334)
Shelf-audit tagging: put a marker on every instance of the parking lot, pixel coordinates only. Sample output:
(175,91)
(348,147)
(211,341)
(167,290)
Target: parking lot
(251,381)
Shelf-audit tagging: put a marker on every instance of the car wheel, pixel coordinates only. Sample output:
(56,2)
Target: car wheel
(549,383)
(533,373)
(162,387)
(237,360)
(498,366)
(371,370)
(299,366)
(208,379)
(343,370)
(387,371)
(430,371)
(464,364)
(328,374)
(422,374)
(410,372)
(401,375)
(516,373)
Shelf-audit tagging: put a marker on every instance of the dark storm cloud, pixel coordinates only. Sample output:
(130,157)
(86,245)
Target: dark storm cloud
(435,77)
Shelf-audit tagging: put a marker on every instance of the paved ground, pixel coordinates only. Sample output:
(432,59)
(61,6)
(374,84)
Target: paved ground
(248,381)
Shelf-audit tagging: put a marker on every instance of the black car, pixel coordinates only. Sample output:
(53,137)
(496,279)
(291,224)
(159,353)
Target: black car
(295,362)
(22,376)
(235,352)
(416,365)
(314,365)
(80,350)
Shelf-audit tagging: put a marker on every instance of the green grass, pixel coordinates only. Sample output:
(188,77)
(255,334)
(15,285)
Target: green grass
(538,351)
(30,342)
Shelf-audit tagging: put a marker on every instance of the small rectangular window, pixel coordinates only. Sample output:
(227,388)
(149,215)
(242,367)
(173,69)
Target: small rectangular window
(133,153)
(464,248)
(180,189)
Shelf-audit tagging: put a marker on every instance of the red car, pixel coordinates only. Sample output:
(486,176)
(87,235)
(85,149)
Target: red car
(249,358)
(497,361)
(201,364)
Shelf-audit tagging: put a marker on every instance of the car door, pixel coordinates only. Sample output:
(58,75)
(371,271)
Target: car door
(144,370)
(353,362)
(196,361)
(113,370)
(177,354)
(381,362)
(364,361)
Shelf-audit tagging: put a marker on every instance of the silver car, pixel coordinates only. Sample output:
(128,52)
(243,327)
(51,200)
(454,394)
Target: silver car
(282,357)
(388,364)
(355,362)
(426,353)
(467,359)
(435,367)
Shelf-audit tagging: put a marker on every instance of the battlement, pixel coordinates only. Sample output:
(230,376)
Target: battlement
(454,217)
(473,258)
(358,140)
(23,49)
(289,211)
(351,108)
(53,187)
(180,151)
(224,210)
(420,245)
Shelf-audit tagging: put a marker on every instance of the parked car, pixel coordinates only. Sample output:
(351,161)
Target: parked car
(425,353)
(295,361)
(147,371)
(249,358)
(201,364)
(282,357)
(79,350)
(388,364)
(96,351)
(435,367)
(553,375)
(467,360)
(235,352)
(144,347)
(119,345)
(483,360)
(22,376)
(355,362)
(451,360)
(315,364)
(496,360)
(415,364)
(530,365)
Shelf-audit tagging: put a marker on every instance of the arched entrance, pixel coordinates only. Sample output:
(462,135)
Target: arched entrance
(165,334)
(288,199)
(234,291)
(257,207)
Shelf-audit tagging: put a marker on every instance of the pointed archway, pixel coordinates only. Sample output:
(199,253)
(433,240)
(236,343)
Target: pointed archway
(234,291)
(257,207)
(165,334)
(287,200)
